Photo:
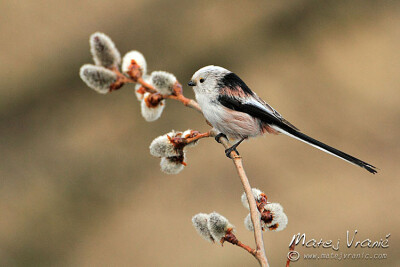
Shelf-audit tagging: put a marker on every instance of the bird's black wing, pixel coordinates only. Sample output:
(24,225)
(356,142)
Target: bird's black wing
(234,103)
(232,87)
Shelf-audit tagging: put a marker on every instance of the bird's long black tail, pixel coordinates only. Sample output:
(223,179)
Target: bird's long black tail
(283,126)
(328,149)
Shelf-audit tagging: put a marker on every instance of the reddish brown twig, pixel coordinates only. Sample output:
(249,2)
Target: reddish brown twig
(231,238)
(149,88)
(177,91)
(121,80)
(180,141)
(196,136)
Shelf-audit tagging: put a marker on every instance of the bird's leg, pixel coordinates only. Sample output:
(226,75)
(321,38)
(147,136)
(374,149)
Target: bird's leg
(218,136)
(233,148)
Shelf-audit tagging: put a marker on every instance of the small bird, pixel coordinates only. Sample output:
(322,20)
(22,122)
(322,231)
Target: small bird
(234,110)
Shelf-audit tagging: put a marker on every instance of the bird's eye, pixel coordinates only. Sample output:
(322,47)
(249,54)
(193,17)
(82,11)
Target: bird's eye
(201,80)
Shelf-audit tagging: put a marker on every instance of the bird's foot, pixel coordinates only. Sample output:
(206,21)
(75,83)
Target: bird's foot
(218,137)
(229,150)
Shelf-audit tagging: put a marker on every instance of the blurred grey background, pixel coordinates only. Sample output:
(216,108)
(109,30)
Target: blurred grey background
(79,188)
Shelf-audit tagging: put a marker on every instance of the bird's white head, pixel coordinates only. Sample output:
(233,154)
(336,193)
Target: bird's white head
(205,80)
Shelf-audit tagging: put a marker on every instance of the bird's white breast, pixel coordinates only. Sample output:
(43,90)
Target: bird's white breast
(211,111)
(232,123)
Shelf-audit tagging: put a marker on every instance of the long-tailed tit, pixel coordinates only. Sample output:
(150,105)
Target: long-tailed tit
(237,112)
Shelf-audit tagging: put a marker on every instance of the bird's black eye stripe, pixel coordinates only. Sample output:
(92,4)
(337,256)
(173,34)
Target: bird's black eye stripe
(201,80)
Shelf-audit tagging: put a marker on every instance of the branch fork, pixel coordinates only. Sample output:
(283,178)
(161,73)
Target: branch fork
(231,238)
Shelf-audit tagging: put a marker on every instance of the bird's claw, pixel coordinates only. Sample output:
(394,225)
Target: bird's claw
(229,150)
(218,137)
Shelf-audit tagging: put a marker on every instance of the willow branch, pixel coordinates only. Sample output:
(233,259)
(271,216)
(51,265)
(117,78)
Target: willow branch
(259,253)
(231,238)
(177,90)
(247,248)
(186,101)
(255,215)
(177,94)
(180,142)
(198,136)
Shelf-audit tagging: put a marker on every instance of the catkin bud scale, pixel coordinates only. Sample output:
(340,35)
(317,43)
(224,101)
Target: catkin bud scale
(150,112)
(138,58)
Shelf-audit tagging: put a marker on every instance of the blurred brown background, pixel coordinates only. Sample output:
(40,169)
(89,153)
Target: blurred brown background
(79,188)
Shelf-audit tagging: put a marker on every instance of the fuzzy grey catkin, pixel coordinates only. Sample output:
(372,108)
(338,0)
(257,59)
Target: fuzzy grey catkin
(200,223)
(162,146)
(274,208)
(172,165)
(279,218)
(256,193)
(151,113)
(280,222)
(248,223)
(104,51)
(97,78)
(218,225)
(138,58)
(163,81)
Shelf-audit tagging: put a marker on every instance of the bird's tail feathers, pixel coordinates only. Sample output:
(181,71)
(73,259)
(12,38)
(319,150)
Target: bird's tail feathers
(328,149)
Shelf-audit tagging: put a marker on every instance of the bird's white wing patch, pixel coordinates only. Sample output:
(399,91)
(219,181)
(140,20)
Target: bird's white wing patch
(262,105)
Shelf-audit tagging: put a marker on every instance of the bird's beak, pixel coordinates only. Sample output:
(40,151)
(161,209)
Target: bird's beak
(191,83)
